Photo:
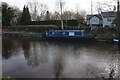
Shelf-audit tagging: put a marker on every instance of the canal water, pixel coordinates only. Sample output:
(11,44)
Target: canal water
(22,58)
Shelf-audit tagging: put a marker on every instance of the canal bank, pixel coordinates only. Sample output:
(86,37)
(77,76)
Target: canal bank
(29,35)
(34,31)
(32,35)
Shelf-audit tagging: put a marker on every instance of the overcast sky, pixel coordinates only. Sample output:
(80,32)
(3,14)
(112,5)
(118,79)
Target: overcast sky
(70,4)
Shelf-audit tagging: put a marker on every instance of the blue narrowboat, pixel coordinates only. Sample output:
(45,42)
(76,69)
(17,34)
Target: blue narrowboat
(66,35)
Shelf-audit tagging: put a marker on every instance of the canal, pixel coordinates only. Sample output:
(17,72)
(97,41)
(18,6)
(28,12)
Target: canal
(22,58)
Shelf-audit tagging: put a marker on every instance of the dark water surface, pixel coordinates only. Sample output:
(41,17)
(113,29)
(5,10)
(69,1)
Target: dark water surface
(42,59)
(0,56)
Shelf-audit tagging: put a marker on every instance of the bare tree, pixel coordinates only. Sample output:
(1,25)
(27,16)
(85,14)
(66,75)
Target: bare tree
(104,7)
(118,19)
(79,15)
(83,13)
(37,10)
(47,16)
(55,16)
(33,6)
(68,15)
(42,11)
(61,5)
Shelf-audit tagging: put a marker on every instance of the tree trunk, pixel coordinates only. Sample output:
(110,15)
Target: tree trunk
(118,22)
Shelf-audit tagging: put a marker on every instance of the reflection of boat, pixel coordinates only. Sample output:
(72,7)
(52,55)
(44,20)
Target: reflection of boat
(67,35)
(116,41)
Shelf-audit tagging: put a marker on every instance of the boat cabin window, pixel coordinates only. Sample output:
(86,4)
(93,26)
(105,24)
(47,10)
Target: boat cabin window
(71,33)
(63,33)
(78,33)
(50,32)
(53,33)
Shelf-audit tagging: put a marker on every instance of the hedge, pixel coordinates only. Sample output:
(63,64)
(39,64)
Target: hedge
(56,22)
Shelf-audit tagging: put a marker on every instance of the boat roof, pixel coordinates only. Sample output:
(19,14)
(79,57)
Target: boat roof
(67,30)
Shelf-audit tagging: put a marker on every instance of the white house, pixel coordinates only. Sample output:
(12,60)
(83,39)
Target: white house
(104,19)
(94,21)
(108,18)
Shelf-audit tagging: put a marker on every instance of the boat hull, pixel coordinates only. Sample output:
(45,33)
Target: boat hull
(69,38)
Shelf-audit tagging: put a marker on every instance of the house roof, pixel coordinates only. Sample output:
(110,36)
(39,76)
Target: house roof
(104,15)
(109,14)
(97,15)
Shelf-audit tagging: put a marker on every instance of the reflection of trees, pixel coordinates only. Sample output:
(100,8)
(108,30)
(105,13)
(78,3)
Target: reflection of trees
(76,51)
(7,46)
(30,55)
(34,57)
(60,52)
(58,66)
(58,59)
(34,53)
(119,47)
(26,47)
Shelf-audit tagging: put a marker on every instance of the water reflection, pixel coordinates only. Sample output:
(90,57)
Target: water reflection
(0,57)
(7,48)
(37,59)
